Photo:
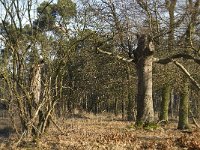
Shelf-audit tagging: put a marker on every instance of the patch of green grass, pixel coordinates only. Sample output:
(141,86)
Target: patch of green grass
(147,126)
(151,126)
(131,127)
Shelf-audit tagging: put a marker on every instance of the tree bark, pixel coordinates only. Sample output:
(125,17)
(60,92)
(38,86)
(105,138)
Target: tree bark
(145,112)
(172,103)
(167,88)
(130,112)
(166,94)
(144,61)
(70,92)
(116,107)
(123,108)
(130,107)
(184,106)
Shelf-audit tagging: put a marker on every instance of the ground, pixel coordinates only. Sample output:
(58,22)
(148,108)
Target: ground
(91,132)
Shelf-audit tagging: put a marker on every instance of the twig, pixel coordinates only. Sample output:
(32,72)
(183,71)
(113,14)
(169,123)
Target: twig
(18,142)
(51,118)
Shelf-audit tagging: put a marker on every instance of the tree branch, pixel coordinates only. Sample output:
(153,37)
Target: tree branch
(117,56)
(171,58)
(194,120)
(187,73)
(164,61)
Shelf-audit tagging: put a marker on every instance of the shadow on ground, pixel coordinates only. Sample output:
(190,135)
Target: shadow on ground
(6,132)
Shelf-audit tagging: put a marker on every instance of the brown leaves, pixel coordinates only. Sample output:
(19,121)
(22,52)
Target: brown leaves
(95,133)
(101,133)
(190,142)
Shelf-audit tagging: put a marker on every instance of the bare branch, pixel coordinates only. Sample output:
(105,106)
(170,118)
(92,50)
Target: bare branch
(194,120)
(176,56)
(117,56)
(187,73)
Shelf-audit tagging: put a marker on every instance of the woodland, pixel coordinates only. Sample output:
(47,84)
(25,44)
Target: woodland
(99,74)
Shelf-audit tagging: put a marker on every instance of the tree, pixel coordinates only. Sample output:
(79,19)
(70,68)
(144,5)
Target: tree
(184,103)
(143,57)
(150,15)
(184,107)
(166,95)
(29,85)
(166,92)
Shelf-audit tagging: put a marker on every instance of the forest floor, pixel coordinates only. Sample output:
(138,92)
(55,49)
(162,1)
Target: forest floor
(91,132)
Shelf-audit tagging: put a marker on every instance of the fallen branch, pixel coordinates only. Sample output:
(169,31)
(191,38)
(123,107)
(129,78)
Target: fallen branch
(194,120)
(19,141)
(51,118)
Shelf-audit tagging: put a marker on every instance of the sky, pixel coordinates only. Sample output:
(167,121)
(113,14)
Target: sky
(23,2)
(25,15)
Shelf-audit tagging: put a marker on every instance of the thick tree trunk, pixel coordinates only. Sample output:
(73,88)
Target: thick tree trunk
(35,90)
(36,83)
(144,60)
(184,106)
(166,94)
(145,112)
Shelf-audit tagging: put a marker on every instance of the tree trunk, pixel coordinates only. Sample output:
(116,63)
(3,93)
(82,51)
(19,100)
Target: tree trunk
(166,89)
(130,112)
(172,104)
(35,90)
(166,94)
(116,107)
(123,108)
(96,107)
(145,112)
(70,100)
(183,108)
(144,60)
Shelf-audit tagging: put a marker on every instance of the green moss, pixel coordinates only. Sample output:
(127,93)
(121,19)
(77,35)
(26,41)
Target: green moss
(139,124)
(147,126)
(151,126)
(131,127)
(166,93)
(184,107)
